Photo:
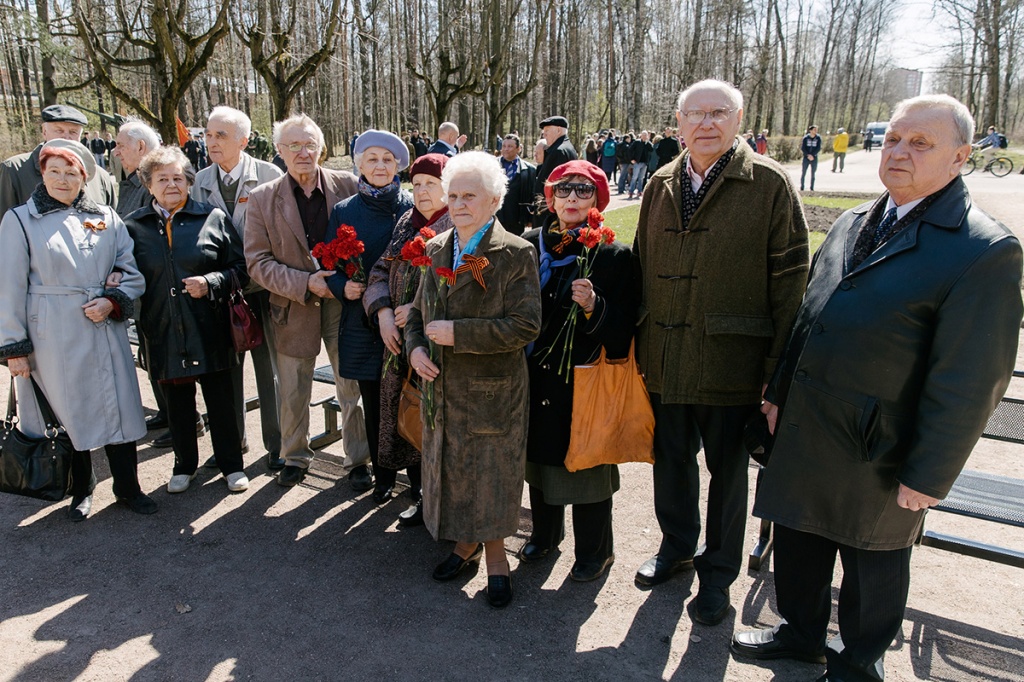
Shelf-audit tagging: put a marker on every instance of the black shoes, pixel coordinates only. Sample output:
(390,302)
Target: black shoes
(710,605)
(762,645)
(499,590)
(585,571)
(450,568)
(157,421)
(80,507)
(290,475)
(140,504)
(657,570)
(413,516)
(360,479)
(275,462)
(382,494)
(531,552)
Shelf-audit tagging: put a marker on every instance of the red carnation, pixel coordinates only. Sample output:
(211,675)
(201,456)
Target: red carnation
(421,262)
(594,218)
(414,248)
(446,274)
(427,233)
(351,269)
(607,234)
(589,237)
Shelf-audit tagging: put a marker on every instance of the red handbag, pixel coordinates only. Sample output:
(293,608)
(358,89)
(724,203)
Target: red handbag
(246,331)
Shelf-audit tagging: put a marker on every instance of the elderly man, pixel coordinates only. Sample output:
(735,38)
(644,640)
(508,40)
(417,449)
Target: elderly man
(19,175)
(559,150)
(287,218)
(135,139)
(515,212)
(448,142)
(226,184)
(886,384)
(722,249)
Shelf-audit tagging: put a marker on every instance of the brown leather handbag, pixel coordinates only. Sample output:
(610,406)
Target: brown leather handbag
(410,424)
(612,419)
(246,331)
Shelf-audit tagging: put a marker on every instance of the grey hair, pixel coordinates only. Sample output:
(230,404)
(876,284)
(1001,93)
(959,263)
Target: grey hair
(165,156)
(963,122)
(137,130)
(299,121)
(726,88)
(447,127)
(233,117)
(480,165)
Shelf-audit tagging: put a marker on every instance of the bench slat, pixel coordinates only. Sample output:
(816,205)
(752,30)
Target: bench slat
(986,496)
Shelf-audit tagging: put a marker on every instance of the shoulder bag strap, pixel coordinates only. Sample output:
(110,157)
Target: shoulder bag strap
(12,404)
(44,407)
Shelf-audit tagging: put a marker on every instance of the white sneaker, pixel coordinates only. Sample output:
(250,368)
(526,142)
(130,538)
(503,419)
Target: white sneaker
(179,483)
(237,482)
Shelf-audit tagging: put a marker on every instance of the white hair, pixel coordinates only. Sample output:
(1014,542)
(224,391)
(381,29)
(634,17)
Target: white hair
(299,121)
(232,117)
(726,88)
(137,130)
(962,121)
(480,165)
(447,127)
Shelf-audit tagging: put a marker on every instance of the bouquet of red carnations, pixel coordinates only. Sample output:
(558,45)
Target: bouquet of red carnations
(346,248)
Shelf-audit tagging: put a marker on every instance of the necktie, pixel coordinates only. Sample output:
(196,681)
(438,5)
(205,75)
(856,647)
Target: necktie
(888,220)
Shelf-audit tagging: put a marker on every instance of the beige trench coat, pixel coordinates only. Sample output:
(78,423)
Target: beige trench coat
(474,458)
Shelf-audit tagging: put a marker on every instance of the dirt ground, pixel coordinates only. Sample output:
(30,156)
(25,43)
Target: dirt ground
(318,583)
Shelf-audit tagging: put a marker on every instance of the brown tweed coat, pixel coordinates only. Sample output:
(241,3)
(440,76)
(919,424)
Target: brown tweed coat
(474,459)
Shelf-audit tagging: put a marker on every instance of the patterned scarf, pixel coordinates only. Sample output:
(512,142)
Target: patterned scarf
(866,239)
(47,204)
(692,200)
(547,262)
(379,192)
(511,168)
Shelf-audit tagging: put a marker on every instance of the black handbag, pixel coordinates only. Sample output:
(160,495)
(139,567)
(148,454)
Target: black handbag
(35,467)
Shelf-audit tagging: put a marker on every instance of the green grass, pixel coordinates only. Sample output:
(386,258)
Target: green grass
(843,203)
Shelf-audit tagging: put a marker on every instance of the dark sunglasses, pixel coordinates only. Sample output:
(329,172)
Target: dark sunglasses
(584,190)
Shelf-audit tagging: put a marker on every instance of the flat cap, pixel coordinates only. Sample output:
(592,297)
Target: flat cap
(560,121)
(60,112)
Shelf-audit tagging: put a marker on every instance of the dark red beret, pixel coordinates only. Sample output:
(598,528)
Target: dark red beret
(429,164)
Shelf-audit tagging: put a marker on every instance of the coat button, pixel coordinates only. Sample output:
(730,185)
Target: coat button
(545,402)
(545,366)
(817,329)
(316,303)
(844,285)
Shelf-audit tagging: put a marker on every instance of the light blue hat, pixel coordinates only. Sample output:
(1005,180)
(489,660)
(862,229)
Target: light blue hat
(382,138)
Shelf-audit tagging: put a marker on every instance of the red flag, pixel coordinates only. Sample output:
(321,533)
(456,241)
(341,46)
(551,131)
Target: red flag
(183,134)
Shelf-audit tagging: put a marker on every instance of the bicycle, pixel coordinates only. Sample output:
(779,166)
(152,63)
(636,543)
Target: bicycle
(998,166)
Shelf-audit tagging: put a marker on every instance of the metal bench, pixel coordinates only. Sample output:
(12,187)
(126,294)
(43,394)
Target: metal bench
(331,408)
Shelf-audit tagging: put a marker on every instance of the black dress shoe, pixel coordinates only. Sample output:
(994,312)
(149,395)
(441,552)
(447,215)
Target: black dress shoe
(360,479)
(762,644)
(157,421)
(80,507)
(532,551)
(210,463)
(585,571)
(140,504)
(450,568)
(499,590)
(163,440)
(413,516)
(275,462)
(710,605)
(291,475)
(382,494)
(657,570)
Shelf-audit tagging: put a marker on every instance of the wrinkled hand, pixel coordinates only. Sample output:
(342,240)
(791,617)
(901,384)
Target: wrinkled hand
(354,290)
(317,286)
(441,332)
(114,280)
(197,287)
(583,294)
(388,330)
(771,413)
(461,141)
(913,500)
(402,315)
(420,362)
(19,367)
(98,309)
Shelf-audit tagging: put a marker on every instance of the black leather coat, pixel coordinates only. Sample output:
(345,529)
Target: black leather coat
(891,371)
(183,336)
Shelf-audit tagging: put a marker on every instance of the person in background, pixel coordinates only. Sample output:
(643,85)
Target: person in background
(839,146)
(516,210)
(640,154)
(762,142)
(538,151)
(810,147)
(624,158)
(668,149)
(448,142)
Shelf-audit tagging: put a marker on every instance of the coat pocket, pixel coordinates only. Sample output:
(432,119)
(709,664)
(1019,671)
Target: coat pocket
(488,410)
(732,352)
(279,308)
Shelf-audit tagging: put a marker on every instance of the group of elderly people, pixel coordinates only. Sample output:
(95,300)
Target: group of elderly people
(714,290)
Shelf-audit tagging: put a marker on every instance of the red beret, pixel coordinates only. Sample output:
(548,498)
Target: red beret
(578,167)
(429,164)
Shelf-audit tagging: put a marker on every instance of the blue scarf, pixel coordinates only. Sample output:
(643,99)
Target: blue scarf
(471,245)
(547,262)
(379,192)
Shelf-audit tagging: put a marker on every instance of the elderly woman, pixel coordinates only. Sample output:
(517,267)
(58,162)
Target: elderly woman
(60,326)
(607,299)
(372,211)
(387,301)
(189,253)
(466,334)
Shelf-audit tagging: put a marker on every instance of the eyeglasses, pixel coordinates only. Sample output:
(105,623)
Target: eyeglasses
(295,147)
(697,116)
(584,190)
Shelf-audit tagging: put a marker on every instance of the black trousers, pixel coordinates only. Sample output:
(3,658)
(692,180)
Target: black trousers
(220,405)
(872,600)
(591,523)
(370,393)
(123,469)
(678,433)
